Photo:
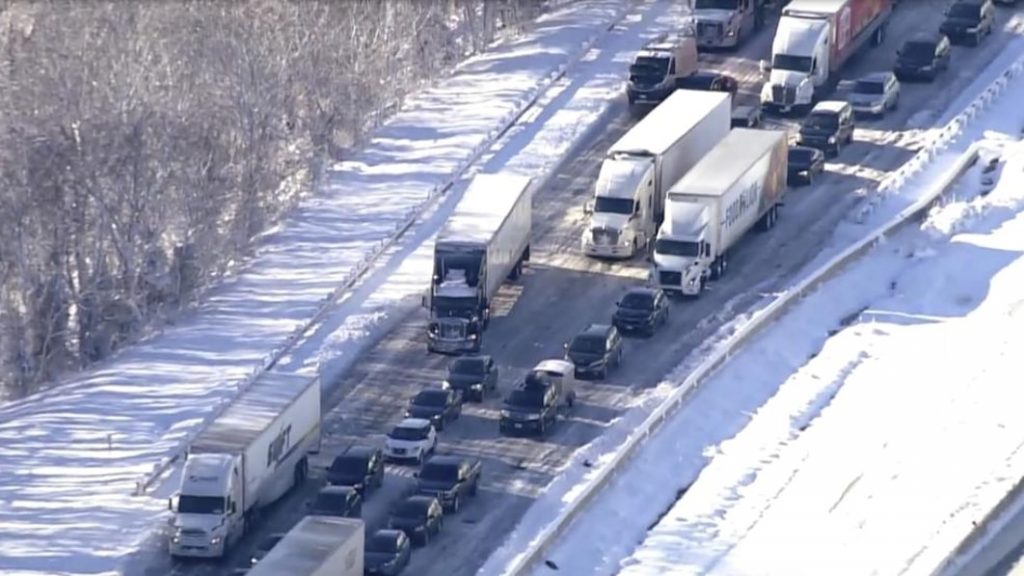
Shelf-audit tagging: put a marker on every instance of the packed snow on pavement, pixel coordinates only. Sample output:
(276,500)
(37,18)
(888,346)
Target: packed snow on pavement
(72,455)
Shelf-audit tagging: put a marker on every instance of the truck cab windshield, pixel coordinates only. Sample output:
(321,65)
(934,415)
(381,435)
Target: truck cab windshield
(792,63)
(648,69)
(671,247)
(716,5)
(200,504)
(455,266)
(613,205)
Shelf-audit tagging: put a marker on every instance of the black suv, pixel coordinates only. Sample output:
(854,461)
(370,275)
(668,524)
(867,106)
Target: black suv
(595,350)
(642,310)
(923,57)
(474,376)
(828,127)
(438,405)
(338,501)
(532,407)
(449,479)
(418,516)
(361,467)
(969,21)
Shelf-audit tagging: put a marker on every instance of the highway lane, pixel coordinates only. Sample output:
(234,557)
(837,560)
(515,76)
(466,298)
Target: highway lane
(563,291)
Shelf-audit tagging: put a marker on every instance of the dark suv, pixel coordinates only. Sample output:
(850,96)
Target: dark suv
(475,376)
(529,409)
(595,350)
(969,21)
(828,127)
(361,467)
(923,57)
(642,310)
(449,479)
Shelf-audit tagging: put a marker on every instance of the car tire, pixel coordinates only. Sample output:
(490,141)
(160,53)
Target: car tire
(425,539)
(456,504)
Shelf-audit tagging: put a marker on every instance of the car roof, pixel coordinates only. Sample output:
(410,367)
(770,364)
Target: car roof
(596,330)
(420,499)
(363,451)
(471,357)
(833,106)
(643,290)
(337,490)
(414,423)
(554,365)
(803,149)
(924,37)
(445,460)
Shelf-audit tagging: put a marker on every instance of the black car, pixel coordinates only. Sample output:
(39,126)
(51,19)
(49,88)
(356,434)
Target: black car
(595,350)
(450,479)
(438,405)
(710,81)
(804,163)
(361,467)
(923,57)
(264,547)
(828,127)
(642,310)
(474,376)
(969,21)
(529,409)
(420,517)
(342,501)
(386,552)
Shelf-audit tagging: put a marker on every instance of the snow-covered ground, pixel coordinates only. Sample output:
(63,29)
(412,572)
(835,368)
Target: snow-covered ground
(71,456)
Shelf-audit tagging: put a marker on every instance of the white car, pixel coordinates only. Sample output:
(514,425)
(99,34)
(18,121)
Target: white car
(413,439)
(875,93)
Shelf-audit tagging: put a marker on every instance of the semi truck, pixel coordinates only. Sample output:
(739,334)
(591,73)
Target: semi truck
(245,459)
(814,40)
(657,68)
(737,185)
(629,195)
(317,546)
(724,23)
(485,241)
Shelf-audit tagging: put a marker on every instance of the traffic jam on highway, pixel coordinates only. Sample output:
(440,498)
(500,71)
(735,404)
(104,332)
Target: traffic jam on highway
(679,189)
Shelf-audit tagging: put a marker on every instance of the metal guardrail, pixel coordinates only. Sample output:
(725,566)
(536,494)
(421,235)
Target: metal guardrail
(543,540)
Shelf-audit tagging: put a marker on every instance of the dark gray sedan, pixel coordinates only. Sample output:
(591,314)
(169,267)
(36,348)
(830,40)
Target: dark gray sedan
(474,376)
(804,164)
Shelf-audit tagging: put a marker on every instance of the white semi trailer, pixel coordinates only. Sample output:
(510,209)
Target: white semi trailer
(638,170)
(737,185)
(485,241)
(317,546)
(244,460)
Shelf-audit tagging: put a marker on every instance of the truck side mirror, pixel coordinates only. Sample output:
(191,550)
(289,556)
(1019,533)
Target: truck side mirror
(764,66)
(170,503)
(565,346)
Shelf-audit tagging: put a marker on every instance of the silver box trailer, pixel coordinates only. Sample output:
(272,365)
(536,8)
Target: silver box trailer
(247,458)
(485,241)
(737,185)
(317,546)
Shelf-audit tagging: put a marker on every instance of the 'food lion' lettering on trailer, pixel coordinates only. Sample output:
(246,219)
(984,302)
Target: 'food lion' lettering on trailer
(748,199)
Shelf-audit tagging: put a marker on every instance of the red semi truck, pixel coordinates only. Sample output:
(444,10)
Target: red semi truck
(814,40)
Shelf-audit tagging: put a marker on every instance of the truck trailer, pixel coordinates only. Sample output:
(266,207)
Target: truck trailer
(629,195)
(724,23)
(814,40)
(247,458)
(485,241)
(737,185)
(317,546)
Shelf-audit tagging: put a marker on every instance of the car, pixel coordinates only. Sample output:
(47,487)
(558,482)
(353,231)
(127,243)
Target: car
(529,409)
(343,501)
(969,21)
(804,163)
(412,439)
(474,376)
(361,467)
(709,80)
(828,127)
(386,552)
(264,547)
(420,517)
(875,94)
(747,116)
(437,405)
(595,350)
(923,57)
(450,479)
(641,310)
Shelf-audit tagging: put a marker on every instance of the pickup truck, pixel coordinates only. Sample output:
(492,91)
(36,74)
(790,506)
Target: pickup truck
(449,479)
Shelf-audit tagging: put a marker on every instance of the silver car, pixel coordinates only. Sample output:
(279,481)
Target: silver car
(874,94)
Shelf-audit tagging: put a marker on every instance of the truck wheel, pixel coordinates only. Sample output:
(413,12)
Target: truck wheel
(879,37)
(301,472)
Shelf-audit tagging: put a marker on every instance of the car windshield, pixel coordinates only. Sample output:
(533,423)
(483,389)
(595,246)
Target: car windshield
(200,504)
(587,344)
(792,63)
(670,247)
(432,398)
(801,157)
(649,67)
(918,51)
(467,366)
(413,510)
(638,300)
(869,87)
(613,205)
(716,4)
(526,398)
(382,544)
(965,11)
(439,473)
(330,501)
(349,465)
(408,433)
(825,120)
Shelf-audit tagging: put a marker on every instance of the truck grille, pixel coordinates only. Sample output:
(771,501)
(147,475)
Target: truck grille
(670,278)
(783,94)
(605,236)
(450,330)
(709,29)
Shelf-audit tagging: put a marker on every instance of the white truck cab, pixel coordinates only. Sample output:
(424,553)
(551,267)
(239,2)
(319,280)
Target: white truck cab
(621,213)
(208,518)
(800,63)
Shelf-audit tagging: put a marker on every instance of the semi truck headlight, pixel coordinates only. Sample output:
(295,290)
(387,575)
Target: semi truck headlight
(831,139)
(215,540)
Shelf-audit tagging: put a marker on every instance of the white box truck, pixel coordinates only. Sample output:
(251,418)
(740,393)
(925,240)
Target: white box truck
(737,185)
(629,195)
(657,68)
(485,241)
(248,457)
(317,546)
(814,39)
